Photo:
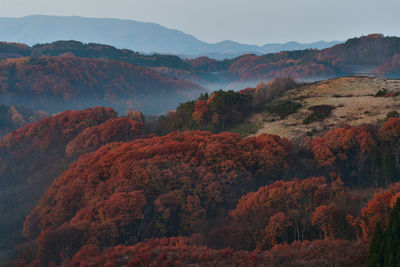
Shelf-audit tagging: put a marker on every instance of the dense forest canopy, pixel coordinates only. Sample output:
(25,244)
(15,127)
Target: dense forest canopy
(216,193)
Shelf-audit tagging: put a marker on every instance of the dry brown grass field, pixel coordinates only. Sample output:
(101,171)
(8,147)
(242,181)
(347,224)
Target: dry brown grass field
(353,99)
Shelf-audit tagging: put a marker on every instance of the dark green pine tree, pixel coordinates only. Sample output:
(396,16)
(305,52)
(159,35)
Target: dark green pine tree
(392,236)
(385,247)
(375,258)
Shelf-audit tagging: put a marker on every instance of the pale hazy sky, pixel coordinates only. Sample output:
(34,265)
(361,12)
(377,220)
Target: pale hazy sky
(246,21)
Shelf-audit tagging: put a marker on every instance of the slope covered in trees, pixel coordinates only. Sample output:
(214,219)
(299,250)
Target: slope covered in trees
(223,110)
(365,55)
(55,84)
(172,185)
(200,183)
(113,130)
(108,203)
(372,54)
(79,49)
(196,197)
(180,251)
(32,156)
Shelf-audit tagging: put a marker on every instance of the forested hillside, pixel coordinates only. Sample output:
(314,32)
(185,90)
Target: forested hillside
(56,84)
(32,156)
(372,54)
(122,191)
(219,189)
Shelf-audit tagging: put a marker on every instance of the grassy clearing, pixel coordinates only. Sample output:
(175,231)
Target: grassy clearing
(353,99)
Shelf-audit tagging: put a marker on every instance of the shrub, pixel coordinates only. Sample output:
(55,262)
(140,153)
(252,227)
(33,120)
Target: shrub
(382,92)
(320,112)
(285,109)
(322,108)
(392,114)
(316,116)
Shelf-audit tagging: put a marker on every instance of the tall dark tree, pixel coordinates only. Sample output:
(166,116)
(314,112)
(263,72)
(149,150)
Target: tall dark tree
(385,247)
(375,258)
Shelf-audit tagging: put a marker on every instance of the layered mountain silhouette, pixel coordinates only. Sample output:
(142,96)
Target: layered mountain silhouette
(134,35)
(65,75)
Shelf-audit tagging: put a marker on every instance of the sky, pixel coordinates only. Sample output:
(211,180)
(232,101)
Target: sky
(245,21)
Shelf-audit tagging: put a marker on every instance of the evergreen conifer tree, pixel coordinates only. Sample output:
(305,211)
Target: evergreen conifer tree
(375,258)
(385,247)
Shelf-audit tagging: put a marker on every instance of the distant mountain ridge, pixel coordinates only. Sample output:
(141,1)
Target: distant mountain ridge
(138,36)
(373,54)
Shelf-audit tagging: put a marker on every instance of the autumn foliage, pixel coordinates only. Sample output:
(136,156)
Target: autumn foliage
(294,211)
(113,130)
(371,50)
(377,210)
(183,180)
(339,143)
(215,112)
(390,131)
(55,84)
(180,251)
(32,156)
(218,187)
